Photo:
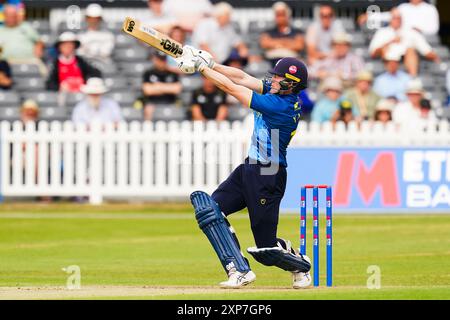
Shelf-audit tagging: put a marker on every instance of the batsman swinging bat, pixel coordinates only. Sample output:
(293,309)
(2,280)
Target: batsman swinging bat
(152,37)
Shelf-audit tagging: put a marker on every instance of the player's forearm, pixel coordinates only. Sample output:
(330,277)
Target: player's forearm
(234,74)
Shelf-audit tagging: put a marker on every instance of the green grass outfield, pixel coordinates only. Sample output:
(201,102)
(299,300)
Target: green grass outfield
(157,252)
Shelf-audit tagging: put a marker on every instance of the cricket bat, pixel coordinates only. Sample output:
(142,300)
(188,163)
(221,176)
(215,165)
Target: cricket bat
(152,37)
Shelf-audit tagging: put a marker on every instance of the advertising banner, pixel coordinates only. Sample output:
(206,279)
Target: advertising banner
(372,179)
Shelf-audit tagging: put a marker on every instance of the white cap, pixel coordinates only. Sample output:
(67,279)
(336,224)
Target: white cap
(385,105)
(342,37)
(94,86)
(68,36)
(332,83)
(414,86)
(393,54)
(94,10)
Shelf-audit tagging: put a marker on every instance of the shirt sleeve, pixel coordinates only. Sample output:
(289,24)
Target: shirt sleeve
(30,32)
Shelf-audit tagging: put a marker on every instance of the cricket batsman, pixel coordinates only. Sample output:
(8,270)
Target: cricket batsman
(252,185)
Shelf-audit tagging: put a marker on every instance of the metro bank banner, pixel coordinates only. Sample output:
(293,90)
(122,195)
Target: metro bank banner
(372,179)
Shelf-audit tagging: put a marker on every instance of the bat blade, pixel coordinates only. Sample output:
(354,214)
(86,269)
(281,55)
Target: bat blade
(152,37)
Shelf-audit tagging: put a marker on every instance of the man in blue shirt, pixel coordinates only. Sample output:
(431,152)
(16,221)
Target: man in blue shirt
(259,183)
(393,82)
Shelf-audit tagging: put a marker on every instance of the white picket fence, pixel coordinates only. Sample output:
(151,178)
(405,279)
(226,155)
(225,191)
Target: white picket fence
(158,160)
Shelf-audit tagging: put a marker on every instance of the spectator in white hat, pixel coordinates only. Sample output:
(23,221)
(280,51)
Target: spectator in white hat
(97,44)
(341,62)
(327,106)
(383,110)
(407,41)
(69,71)
(416,111)
(158,17)
(393,82)
(95,107)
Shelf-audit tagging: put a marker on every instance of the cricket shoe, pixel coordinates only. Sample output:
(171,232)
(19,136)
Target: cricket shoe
(238,280)
(301,280)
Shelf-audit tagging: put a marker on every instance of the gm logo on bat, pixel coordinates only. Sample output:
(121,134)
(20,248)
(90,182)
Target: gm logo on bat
(131,26)
(171,47)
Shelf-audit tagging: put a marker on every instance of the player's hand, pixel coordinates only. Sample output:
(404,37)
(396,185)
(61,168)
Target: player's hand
(186,63)
(207,57)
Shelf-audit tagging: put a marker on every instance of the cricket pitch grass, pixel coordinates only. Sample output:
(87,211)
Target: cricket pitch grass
(158,252)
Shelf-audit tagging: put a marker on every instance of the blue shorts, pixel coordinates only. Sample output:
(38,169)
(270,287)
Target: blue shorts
(261,194)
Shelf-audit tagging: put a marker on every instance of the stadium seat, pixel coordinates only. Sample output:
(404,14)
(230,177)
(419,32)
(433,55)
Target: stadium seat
(358,40)
(376,66)
(132,114)
(258,69)
(186,98)
(124,98)
(442,52)
(259,26)
(53,113)
(41,26)
(191,83)
(438,69)
(124,41)
(434,40)
(134,69)
(131,54)
(10,113)
(25,70)
(29,84)
(237,112)
(72,99)
(301,23)
(348,23)
(116,83)
(9,98)
(168,113)
(43,98)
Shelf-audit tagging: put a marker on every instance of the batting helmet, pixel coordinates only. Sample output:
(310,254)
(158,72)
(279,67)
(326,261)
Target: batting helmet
(293,70)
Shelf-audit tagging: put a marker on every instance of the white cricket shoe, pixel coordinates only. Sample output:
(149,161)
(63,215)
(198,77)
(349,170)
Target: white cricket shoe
(238,280)
(301,280)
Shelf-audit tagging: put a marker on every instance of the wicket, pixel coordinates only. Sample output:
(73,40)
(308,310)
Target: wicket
(329,235)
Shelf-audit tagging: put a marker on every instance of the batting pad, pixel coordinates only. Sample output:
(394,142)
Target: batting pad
(280,258)
(214,224)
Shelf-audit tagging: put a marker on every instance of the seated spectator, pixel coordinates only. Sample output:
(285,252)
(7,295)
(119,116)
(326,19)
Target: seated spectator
(160,85)
(209,103)
(158,17)
(407,41)
(326,107)
(383,110)
(319,34)
(20,42)
(96,44)
(217,35)
(417,14)
(362,95)
(5,74)
(95,107)
(416,111)
(283,40)
(188,13)
(393,82)
(178,34)
(341,62)
(16,3)
(29,112)
(69,71)
(344,113)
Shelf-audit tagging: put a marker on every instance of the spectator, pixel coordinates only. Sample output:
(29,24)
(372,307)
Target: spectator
(407,41)
(416,111)
(341,62)
(383,110)
(29,112)
(209,103)
(69,71)
(21,43)
(16,3)
(95,107)
(283,40)
(326,107)
(178,34)
(235,61)
(5,74)
(362,95)
(160,85)
(158,17)
(217,36)
(188,12)
(96,44)
(393,82)
(319,34)
(344,113)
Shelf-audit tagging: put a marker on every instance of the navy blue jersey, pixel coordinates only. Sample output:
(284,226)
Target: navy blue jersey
(273,112)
